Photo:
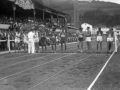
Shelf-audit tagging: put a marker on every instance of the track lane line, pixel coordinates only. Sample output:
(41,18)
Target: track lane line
(96,78)
(38,65)
(59,72)
(35,67)
(26,55)
(34,59)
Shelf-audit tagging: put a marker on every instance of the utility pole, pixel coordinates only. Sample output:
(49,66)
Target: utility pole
(50,3)
(76,13)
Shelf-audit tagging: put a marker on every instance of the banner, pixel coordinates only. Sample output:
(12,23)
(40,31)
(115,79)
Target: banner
(4,26)
(25,4)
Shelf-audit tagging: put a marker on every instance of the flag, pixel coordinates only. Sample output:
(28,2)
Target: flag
(25,4)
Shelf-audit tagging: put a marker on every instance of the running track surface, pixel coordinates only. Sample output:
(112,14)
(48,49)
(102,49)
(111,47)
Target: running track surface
(52,71)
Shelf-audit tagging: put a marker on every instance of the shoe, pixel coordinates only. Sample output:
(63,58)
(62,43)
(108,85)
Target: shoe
(81,51)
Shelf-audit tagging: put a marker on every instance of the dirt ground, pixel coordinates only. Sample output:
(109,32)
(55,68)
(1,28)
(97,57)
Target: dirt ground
(49,71)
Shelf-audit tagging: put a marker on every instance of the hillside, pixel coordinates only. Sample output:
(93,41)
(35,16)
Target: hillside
(67,7)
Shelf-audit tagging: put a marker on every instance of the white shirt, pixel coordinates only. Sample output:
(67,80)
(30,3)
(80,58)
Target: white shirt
(31,35)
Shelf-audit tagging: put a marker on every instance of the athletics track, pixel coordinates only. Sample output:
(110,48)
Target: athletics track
(57,71)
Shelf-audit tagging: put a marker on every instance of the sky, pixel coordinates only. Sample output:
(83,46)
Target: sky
(115,1)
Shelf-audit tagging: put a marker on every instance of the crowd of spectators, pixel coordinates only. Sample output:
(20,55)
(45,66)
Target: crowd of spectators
(21,21)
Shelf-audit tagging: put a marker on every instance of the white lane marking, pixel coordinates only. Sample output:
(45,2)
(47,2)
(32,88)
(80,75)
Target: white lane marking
(59,72)
(35,67)
(96,78)
(17,57)
(27,61)
(14,50)
(33,59)
(27,55)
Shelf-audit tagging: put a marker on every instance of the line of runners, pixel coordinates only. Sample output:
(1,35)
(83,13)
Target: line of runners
(32,39)
(111,37)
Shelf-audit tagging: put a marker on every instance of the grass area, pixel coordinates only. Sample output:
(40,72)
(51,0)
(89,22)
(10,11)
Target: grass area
(110,78)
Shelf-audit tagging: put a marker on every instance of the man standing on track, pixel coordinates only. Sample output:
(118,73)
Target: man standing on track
(17,40)
(31,43)
(43,40)
(110,35)
(80,40)
(88,39)
(116,41)
(99,39)
(63,40)
(53,40)
(36,41)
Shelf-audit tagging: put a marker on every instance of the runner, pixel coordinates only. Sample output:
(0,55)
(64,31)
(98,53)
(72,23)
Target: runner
(17,40)
(43,41)
(25,40)
(116,40)
(110,35)
(80,40)
(36,41)
(99,39)
(53,41)
(88,39)
(63,40)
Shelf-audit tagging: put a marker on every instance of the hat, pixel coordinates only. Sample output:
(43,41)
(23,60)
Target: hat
(33,28)
(42,25)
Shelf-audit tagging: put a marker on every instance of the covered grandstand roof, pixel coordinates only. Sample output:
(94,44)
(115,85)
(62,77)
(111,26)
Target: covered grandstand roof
(6,8)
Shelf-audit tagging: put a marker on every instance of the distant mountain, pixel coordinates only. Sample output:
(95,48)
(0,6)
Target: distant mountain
(67,6)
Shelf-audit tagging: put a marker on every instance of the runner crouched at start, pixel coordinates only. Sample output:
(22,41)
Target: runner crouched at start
(63,40)
(80,40)
(110,35)
(99,39)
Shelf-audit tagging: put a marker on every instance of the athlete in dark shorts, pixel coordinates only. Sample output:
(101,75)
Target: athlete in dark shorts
(99,39)
(63,40)
(80,40)
(43,40)
(110,35)
(53,41)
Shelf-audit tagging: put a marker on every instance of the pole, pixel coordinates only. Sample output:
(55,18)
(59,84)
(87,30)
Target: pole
(43,15)
(50,3)
(57,20)
(76,13)
(34,12)
(14,8)
(8,42)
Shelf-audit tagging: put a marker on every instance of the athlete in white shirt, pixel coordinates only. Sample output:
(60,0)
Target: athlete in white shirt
(31,44)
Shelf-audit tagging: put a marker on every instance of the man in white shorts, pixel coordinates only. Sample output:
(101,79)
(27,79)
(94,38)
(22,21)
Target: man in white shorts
(116,41)
(110,35)
(99,39)
(31,42)
(88,39)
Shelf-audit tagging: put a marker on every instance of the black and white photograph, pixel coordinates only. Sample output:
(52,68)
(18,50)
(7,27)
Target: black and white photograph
(59,44)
